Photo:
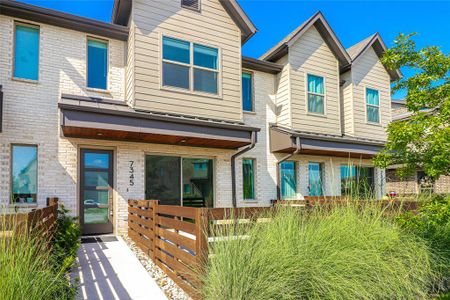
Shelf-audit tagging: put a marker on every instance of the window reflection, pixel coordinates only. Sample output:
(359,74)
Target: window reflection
(24,174)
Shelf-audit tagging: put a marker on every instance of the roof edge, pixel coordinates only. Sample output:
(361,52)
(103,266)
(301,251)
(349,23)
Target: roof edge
(261,65)
(61,19)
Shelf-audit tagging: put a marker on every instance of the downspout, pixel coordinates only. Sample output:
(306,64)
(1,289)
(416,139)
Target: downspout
(233,166)
(298,147)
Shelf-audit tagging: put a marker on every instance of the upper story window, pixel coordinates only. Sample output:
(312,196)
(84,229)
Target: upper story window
(247,91)
(24,173)
(191,4)
(373,105)
(26,51)
(97,64)
(316,94)
(190,66)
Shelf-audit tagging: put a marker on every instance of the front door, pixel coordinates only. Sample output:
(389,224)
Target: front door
(96,183)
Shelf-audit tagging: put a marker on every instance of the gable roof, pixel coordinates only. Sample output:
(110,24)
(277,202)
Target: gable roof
(376,42)
(122,10)
(322,26)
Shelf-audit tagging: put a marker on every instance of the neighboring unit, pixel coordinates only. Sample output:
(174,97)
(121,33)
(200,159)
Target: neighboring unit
(161,104)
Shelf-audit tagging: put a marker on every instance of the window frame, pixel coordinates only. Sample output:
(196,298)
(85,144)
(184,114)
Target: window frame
(371,105)
(99,39)
(191,67)
(13,63)
(254,179)
(199,10)
(322,177)
(295,176)
(316,94)
(252,89)
(11,164)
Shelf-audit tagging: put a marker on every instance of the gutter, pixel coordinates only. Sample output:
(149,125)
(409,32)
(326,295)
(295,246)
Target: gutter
(233,167)
(1,108)
(298,147)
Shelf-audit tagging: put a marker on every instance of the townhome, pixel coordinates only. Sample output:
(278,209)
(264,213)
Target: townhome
(161,104)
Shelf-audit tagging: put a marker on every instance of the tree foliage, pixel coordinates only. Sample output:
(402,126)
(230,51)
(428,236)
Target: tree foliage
(421,141)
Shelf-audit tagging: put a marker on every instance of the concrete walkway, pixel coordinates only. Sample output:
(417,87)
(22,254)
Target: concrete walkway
(108,269)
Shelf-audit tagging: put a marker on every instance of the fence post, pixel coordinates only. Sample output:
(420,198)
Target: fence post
(154,207)
(201,235)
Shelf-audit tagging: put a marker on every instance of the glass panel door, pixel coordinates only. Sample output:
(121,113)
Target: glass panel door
(96,180)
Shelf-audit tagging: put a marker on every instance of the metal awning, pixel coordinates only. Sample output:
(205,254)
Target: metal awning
(283,140)
(83,117)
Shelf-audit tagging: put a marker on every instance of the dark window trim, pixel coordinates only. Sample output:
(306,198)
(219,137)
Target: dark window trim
(1,108)
(252,74)
(199,9)
(89,37)
(11,171)
(31,25)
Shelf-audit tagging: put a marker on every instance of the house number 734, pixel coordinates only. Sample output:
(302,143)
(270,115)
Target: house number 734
(131,173)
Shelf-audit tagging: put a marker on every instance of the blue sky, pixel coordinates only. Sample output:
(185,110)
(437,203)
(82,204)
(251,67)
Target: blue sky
(352,21)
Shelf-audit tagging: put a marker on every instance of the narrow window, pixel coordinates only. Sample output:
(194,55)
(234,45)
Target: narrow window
(24,174)
(247,92)
(26,53)
(206,66)
(373,105)
(315,171)
(97,64)
(248,176)
(191,4)
(316,94)
(288,177)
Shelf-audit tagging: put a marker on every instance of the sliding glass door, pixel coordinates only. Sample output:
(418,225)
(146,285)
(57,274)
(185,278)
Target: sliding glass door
(179,181)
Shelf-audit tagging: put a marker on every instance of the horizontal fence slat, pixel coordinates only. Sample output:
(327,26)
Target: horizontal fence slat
(176,224)
(141,212)
(181,254)
(146,222)
(146,232)
(176,238)
(230,213)
(179,281)
(176,211)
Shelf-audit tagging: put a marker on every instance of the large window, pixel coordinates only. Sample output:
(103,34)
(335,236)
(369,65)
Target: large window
(190,66)
(315,172)
(248,178)
(179,181)
(316,94)
(357,181)
(288,177)
(26,52)
(24,174)
(247,92)
(97,64)
(373,105)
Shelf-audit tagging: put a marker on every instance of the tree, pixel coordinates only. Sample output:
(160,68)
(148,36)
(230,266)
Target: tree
(421,141)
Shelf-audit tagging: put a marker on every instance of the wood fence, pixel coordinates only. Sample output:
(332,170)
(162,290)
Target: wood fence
(41,220)
(176,238)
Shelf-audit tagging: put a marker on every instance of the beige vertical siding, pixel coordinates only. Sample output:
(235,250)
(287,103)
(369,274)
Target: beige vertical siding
(369,72)
(283,94)
(347,104)
(310,54)
(212,26)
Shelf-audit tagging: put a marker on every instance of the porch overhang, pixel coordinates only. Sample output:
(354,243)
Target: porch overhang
(94,118)
(283,140)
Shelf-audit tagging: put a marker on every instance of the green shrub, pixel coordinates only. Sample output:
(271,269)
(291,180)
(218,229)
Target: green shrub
(27,271)
(432,223)
(66,239)
(340,252)
(34,266)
